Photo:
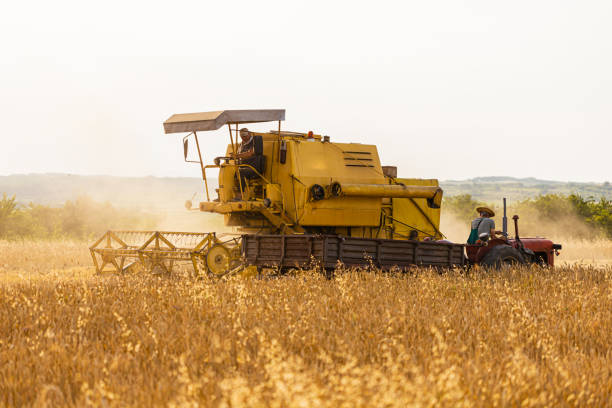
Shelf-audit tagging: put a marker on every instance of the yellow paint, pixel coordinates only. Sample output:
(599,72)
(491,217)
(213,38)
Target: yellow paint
(407,216)
(388,190)
(274,193)
(369,206)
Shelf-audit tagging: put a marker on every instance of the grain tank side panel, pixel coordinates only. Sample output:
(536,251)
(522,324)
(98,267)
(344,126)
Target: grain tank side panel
(325,163)
(415,214)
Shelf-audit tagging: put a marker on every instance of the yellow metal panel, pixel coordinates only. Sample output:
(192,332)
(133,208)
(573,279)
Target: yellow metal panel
(360,212)
(343,162)
(226,183)
(273,192)
(323,163)
(408,217)
(229,207)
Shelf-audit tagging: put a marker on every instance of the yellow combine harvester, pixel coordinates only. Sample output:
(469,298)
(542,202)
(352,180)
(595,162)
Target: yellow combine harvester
(293,197)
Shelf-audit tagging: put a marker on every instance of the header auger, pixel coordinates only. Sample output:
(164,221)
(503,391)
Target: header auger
(293,197)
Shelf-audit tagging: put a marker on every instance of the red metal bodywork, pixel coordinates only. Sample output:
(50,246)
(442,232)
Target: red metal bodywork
(542,247)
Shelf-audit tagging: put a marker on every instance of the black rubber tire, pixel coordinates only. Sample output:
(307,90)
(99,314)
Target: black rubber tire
(502,255)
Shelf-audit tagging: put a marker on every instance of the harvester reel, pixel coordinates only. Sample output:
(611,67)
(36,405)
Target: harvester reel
(159,251)
(217,260)
(220,259)
(157,264)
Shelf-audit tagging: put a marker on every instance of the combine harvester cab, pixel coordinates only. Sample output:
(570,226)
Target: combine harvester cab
(293,198)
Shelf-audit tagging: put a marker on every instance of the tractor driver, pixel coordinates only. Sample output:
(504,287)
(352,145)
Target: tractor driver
(483,224)
(247,147)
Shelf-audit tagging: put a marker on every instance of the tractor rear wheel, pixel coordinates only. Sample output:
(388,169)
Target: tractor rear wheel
(502,255)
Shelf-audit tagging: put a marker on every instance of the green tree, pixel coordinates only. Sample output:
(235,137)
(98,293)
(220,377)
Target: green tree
(8,206)
(595,213)
(549,206)
(463,206)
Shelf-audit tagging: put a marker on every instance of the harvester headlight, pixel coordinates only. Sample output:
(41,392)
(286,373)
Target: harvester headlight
(317,192)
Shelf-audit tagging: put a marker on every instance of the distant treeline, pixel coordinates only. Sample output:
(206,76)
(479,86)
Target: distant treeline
(580,217)
(80,219)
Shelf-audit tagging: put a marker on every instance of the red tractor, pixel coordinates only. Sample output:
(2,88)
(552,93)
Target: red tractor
(497,252)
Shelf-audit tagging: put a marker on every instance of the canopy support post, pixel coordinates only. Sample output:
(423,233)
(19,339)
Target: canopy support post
(229,127)
(279,146)
(238,168)
(202,166)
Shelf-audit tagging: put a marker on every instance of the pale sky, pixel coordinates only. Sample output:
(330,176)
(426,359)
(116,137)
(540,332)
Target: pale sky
(446,89)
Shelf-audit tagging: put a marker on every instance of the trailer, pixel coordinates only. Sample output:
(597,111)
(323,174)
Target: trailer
(301,251)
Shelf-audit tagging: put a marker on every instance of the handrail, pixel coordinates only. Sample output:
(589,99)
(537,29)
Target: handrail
(214,166)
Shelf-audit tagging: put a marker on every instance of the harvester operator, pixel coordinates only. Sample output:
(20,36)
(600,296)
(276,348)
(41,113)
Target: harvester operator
(483,224)
(247,147)
(250,156)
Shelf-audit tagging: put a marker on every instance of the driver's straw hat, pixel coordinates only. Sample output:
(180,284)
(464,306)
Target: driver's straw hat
(486,210)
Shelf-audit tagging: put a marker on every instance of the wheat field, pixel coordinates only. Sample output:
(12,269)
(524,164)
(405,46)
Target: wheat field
(523,337)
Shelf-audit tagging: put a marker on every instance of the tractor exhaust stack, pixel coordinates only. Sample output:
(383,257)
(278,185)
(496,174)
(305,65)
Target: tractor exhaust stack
(505,221)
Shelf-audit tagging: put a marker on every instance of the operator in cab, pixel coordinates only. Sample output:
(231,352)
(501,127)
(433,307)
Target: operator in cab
(250,155)
(247,147)
(484,223)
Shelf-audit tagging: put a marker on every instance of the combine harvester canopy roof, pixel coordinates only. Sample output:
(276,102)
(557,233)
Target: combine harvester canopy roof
(202,121)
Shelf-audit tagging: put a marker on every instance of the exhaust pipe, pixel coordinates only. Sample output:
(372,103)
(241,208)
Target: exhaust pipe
(505,221)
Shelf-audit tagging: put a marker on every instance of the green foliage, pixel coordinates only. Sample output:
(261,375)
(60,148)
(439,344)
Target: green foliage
(7,211)
(595,213)
(548,207)
(82,219)
(463,206)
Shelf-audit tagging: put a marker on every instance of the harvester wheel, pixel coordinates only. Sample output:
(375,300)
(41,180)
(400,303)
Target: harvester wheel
(218,260)
(502,255)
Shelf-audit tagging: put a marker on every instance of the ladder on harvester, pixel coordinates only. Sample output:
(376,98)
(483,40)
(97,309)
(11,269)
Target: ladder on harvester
(160,250)
(281,220)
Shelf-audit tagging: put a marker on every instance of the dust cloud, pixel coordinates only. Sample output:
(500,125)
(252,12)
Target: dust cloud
(453,228)
(191,221)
